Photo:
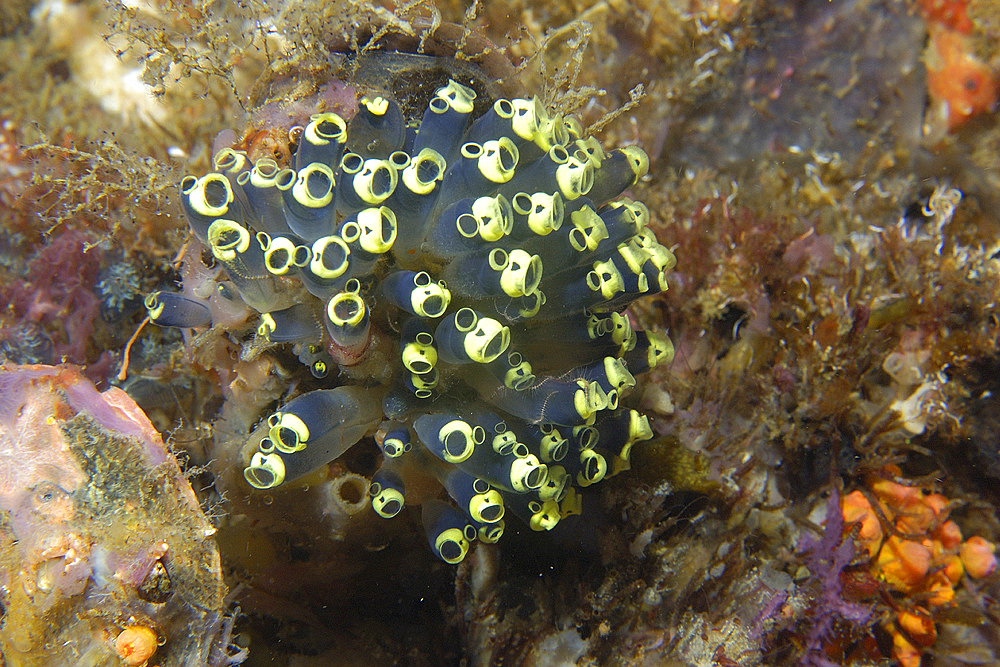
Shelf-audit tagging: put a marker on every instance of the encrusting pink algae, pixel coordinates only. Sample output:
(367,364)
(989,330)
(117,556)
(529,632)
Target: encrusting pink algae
(780,450)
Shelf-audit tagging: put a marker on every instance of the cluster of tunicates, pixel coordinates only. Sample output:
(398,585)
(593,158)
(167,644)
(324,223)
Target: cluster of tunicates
(461,283)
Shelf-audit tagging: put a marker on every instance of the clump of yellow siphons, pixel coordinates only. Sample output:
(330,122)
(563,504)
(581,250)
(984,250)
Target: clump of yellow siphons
(923,560)
(461,282)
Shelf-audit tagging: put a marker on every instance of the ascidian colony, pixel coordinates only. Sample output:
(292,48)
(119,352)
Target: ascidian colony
(458,281)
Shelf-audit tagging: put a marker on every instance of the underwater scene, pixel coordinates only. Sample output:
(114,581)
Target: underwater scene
(523,332)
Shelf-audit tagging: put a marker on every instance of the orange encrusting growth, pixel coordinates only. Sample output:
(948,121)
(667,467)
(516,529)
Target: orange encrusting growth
(857,509)
(978,557)
(135,645)
(903,563)
(916,551)
(951,14)
(960,85)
